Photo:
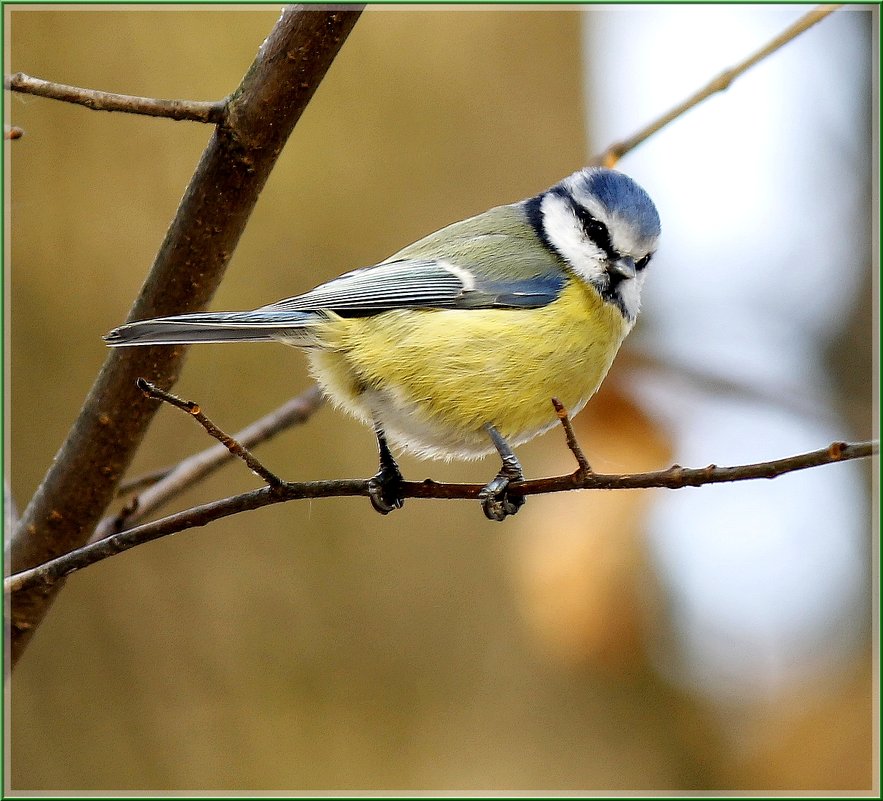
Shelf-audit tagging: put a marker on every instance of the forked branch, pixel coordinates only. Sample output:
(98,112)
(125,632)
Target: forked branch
(192,408)
(161,486)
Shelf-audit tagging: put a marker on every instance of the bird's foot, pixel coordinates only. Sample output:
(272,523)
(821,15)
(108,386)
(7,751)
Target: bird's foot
(385,492)
(385,489)
(496,503)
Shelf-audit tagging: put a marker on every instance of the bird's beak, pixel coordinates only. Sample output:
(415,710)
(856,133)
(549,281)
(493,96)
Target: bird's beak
(624,266)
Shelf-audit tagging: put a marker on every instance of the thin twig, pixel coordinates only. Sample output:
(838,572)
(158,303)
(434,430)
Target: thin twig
(674,477)
(294,411)
(193,110)
(615,152)
(585,468)
(192,408)
(148,479)
(172,481)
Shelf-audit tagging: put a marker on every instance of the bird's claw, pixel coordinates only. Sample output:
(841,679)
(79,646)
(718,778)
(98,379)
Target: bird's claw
(496,503)
(385,491)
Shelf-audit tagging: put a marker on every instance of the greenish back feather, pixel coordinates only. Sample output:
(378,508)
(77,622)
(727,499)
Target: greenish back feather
(496,245)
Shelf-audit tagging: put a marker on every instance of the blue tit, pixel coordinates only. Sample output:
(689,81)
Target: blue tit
(453,347)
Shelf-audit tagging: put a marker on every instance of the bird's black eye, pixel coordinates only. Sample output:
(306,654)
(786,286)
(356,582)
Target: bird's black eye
(640,264)
(595,229)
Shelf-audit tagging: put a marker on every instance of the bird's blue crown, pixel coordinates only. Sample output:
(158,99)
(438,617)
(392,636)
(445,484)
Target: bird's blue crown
(620,196)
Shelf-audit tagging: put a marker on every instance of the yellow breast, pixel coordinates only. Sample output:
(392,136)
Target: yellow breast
(435,378)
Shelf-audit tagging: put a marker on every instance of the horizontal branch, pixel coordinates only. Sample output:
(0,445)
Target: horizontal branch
(193,110)
(615,152)
(675,477)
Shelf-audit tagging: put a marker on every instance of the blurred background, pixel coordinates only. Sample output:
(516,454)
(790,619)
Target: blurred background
(715,639)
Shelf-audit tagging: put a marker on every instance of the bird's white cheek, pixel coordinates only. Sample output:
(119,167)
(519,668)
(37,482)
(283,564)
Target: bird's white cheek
(564,233)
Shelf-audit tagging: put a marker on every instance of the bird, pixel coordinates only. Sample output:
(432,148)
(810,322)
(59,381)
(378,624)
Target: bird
(454,346)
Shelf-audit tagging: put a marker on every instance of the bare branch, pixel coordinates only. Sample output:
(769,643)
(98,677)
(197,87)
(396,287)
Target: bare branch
(615,152)
(172,481)
(675,477)
(225,439)
(584,468)
(148,479)
(193,110)
(216,206)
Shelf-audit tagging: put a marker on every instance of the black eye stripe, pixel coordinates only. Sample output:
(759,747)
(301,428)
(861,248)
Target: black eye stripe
(598,233)
(595,230)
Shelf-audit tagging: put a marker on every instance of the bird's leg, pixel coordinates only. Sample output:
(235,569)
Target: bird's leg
(495,502)
(385,489)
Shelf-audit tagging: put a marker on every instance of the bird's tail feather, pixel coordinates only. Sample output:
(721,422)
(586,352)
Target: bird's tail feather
(184,329)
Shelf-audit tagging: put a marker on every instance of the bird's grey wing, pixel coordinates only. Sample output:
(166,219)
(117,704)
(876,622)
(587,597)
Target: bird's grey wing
(395,284)
(419,284)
